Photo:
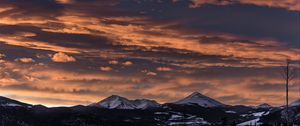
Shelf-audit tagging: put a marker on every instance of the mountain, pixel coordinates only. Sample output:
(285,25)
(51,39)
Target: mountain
(118,102)
(264,106)
(295,103)
(278,114)
(145,103)
(111,112)
(199,99)
(6,102)
(115,102)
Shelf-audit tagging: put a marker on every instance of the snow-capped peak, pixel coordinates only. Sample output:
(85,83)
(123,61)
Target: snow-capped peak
(199,99)
(115,102)
(295,103)
(196,94)
(118,102)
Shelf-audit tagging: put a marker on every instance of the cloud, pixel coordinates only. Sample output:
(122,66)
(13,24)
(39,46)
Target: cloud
(287,4)
(6,78)
(114,62)
(135,36)
(86,85)
(164,69)
(105,68)
(26,34)
(62,57)
(134,31)
(34,44)
(25,60)
(105,35)
(127,63)
(148,72)
(3,9)
(2,55)
(65,1)
(151,73)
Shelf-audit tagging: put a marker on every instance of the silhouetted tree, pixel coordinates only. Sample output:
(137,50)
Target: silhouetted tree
(288,74)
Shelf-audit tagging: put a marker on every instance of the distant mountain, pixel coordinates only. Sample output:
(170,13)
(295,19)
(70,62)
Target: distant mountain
(115,102)
(264,106)
(145,103)
(199,99)
(278,114)
(295,103)
(118,102)
(196,109)
(6,102)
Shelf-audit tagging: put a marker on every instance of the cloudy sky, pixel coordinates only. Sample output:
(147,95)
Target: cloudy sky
(68,52)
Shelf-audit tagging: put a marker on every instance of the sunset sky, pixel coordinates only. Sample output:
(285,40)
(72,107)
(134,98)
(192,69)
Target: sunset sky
(69,52)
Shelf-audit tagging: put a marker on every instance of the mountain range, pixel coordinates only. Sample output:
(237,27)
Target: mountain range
(199,99)
(118,102)
(195,109)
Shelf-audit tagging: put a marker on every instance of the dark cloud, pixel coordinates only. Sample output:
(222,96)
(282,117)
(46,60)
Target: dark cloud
(273,87)
(44,8)
(238,19)
(28,87)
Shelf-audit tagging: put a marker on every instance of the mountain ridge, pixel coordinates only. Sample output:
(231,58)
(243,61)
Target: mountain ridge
(200,99)
(118,102)
(118,110)
(4,101)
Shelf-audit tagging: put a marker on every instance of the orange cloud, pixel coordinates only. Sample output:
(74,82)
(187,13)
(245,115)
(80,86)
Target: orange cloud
(22,20)
(25,60)
(2,55)
(3,9)
(114,62)
(25,34)
(151,73)
(164,69)
(34,44)
(106,68)
(139,32)
(127,63)
(65,1)
(135,35)
(47,82)
(62,57)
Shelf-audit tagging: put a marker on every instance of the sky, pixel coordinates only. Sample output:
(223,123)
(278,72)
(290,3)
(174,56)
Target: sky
(69,52)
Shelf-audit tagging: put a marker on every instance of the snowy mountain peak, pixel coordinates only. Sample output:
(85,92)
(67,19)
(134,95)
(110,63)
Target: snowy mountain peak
(196,94)
(115,97)
(118,102)
(199,99)
(295,103)
(114,102)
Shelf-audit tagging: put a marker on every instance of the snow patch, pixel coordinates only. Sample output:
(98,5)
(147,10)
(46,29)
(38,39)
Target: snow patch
(11,105)
(230,112)
(180,119)
(253,122)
